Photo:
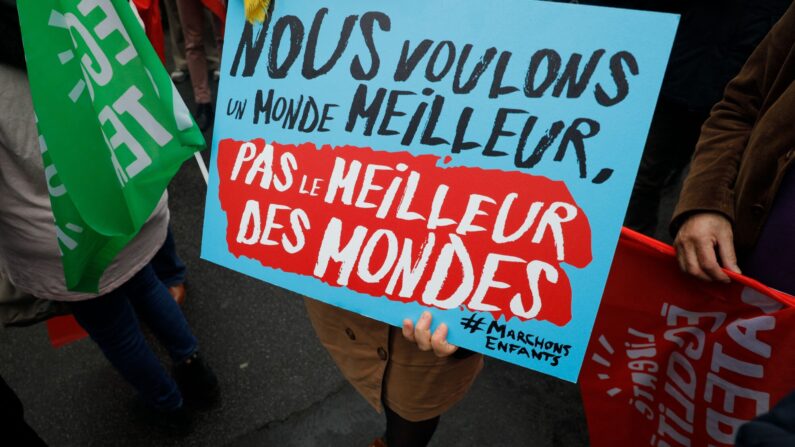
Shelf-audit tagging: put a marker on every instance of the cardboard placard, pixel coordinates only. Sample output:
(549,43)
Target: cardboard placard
(473,160)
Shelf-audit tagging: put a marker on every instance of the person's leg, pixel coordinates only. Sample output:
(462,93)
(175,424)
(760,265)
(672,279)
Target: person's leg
(111,322)
(157,309)
(690,124)
(419,387)
(12,419)
(214,43)
(218,36)
(191,15)
(155,306)
(671,142)
(167,264)
(176,37)
(404,433)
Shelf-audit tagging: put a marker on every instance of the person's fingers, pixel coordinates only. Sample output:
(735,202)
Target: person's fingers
(408,330)
(692,266)
(439,342)
(708,261)
(687,259)
(681,258)
(422,332)
(703,244)
(726,250)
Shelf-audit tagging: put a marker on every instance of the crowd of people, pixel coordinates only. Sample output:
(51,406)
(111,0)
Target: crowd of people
(196,51)
(726,103)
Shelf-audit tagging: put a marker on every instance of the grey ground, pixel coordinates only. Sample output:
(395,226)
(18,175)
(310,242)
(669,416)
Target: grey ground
(280,387)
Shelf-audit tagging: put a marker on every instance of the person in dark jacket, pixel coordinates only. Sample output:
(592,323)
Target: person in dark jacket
(737,206)
(774,429)
(714,39)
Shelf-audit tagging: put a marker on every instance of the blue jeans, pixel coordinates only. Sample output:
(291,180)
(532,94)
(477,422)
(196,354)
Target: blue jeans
(112,323)
(168,266)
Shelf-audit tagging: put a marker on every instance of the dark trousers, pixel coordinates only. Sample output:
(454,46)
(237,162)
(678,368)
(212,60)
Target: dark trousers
(672,139)
(112,322)
(167,264)
(192,19)
(14,429)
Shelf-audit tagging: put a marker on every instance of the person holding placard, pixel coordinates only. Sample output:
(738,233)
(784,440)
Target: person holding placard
(411,374)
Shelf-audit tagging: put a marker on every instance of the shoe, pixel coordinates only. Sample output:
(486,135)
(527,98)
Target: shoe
(178,75)
(197,382)
(178,293)
(378,442)
(204,115)
(216,75)
(176,422)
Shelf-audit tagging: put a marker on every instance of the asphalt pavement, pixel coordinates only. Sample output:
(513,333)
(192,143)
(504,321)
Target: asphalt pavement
(279,385)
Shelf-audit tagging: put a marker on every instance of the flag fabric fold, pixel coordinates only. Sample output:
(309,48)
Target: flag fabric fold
(675,361)
(113,128)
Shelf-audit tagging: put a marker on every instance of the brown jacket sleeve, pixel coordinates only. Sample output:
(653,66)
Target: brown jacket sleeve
(709,186)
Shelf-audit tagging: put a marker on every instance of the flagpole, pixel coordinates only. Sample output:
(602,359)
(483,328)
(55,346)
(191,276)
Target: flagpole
(202,166)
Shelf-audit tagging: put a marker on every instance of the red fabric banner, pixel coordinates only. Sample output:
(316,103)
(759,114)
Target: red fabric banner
(64,330)
(675,361)
(149,10)
(218,8)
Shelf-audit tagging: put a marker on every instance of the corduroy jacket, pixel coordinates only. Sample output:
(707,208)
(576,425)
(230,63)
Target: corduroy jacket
(748,142)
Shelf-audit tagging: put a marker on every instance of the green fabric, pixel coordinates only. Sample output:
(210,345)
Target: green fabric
(113,129)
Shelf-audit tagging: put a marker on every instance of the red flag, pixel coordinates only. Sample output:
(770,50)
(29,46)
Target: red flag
(217,7)
(64,330)
(149,10)
(675,361)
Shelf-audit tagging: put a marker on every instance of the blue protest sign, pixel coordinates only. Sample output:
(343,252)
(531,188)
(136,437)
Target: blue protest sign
(475,161)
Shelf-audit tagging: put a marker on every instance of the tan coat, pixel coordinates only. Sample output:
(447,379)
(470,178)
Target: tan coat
(748,142)
(380,363)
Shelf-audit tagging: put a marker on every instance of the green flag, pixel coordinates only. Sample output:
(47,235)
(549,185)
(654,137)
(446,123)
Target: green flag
(113,129)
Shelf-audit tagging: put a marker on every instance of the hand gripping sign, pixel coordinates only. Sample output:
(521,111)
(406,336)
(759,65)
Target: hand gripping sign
(395,157)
